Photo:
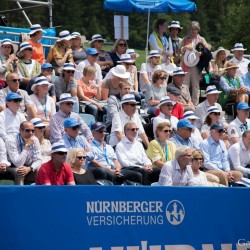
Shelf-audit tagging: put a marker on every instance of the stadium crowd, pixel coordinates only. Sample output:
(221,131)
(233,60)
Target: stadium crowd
(85,116)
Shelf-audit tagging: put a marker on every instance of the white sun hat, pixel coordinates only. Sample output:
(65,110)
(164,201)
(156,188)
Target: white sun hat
(120,71)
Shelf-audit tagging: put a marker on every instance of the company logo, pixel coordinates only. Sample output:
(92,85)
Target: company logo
(175,212)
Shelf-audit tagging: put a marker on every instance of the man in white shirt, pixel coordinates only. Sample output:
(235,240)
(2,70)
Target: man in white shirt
(178,172)
(240,124)
(128,113)
(147,69)
(131,155)
(238,58)
(92,56)
(239,155)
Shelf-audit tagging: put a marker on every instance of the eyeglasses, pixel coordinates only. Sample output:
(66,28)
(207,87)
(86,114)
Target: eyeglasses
(221,131)
(75,127)
(81,157)
(16,100)
(61,153)
(133,129)
(215,113)
(163,78)
(69,71)
(69,103)
(167,131)
(197,159)
(131,104)
(101,131)
(41,127)
(15,80)
(29,130)
(122,44)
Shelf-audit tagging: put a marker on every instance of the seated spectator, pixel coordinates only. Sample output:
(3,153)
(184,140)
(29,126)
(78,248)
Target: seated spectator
(120,46)
(246,78)
(131,155)
(185,97)
(89,91)
(183,134)
(26,104)
(56,171)
(27,67)
(132,54)
(61,52)
(36,33)
(147,69)
(76,159)
(128,113)
(23,152)
(6,173)
(155,91)
(160,150)
(77,43)
(234,90)
(39,132)
(67,84)
(212,95)
(44,104)
(178,172)
(174,94)
(220,61)
(8,59)
(10,118)
(166,108)
(92,56)
(168,67)
(110,85)
(239,155)
(216,156)
(240,124)
(47,71)
(65,104)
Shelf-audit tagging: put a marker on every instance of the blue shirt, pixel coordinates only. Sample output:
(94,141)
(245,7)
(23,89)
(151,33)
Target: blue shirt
(215,154)
(246,79)
(178,141)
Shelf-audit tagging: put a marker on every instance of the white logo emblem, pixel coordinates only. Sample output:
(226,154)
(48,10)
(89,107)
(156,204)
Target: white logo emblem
(175,212)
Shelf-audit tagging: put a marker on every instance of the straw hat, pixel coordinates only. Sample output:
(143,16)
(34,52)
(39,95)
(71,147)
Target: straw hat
(231,65)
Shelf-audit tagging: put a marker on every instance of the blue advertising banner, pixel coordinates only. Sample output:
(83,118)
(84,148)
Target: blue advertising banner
(124,218)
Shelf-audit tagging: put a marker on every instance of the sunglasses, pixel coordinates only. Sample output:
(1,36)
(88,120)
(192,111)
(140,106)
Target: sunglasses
(69,103)
(167,131)
(61,153)
(75,127)
(197,159)
(101,131)
(215,113)
(132,104)
(41,127)
(15,80)
(69,71)
(163,78)
(29,130)
(122,44)
(81,157)
(133,129)
(16,100)
(221,131)
(30,49)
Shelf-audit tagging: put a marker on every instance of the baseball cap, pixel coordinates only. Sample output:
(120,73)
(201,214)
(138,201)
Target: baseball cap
(185,123)
(243,105)
(70,122)
(217,126)
(12,96)
(97,125)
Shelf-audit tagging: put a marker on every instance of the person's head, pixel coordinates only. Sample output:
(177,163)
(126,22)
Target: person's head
(96,41)
(221,54)
(178,76)
(163,131)
(89,72)
(71,127)
(238,51)
(159,77)
(36,31)
(64,38)
(7,47)
(212,94)
(174,94)
(231,69)
(92,55)
(160,25)
(174,27)
(98,130)
(129,104)
(76,157)
(190,116)
(58,153)
(13,101)
(197,159)
(242,111)
(246,138)
(184,128)
(39,127)
(41,86)
(165,105)
(154,58)
(120,46)
(217,131)
(183,155)
(77,40)
(46,69)
(68,71)
(132,54)
(194,28)
(213,115)
(125,87)
(131,130)
(119,72)
(126,61)
(66,103)
(25,50)
(13,81)
(26,130)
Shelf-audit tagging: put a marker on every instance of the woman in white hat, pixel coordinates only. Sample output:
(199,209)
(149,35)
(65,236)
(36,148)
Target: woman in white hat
(27,67)
(44,104)
(8,59)
(77,45)
(61,52)
(104,59)
(120,46)
(220,61)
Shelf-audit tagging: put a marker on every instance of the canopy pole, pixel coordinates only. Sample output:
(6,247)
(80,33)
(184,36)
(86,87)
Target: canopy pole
(147,34)
(50,14)
(24,13)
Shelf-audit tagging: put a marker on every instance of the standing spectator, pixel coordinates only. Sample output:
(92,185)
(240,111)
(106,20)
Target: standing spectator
(77,43)
(120,46)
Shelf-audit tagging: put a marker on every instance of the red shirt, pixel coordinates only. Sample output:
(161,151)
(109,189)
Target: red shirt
(178,111)
(47,174)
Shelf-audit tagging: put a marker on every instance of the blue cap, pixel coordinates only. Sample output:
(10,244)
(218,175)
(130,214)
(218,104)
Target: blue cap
(12,96)
(217,126)
(46,66)
(185,123)
(70,122)
(242,105)
(91,51)
(97,125)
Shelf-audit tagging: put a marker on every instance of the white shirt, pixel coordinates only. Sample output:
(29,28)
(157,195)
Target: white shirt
(79,70)
(236,128)
(162,118)
(171,175)
(10,123)
(118,122)
(243,66)
(146,68)
(200,179)
(3,153)
(131,154)
(239,157)
(196,135)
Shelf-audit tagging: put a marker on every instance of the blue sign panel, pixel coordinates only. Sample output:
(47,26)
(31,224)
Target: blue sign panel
(124,218)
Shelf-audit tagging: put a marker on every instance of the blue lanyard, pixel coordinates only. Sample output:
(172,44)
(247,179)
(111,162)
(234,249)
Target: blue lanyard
(164,42)
(43,105)
(166,149)
(104,152)
(21,144)
(243,127)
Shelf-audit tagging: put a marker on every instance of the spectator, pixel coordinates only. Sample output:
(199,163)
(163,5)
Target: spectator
(174,94)
(240,124)
(178,172)
(120,46)
(216,156)
(65,104)
(132,54)
(131,155)
(77,43)
(220,61)
(36,33)
(56,171)
(24,154)
(246,79)
(160,150)
(76,159)
(10,118)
